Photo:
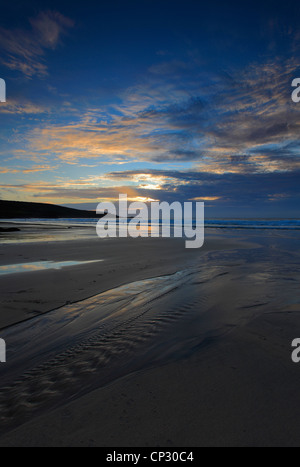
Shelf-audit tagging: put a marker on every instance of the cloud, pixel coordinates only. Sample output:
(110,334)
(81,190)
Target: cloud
(254,107)
(205,198)
(256,190)
(24,50)
(7,170)
(235,188)
(19,107)
(35,169)
(49,26)
(237,122)
(63,193)
(239,136)
(39,168)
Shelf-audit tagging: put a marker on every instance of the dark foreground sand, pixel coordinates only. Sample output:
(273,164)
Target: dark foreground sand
(122,261)
(201,357)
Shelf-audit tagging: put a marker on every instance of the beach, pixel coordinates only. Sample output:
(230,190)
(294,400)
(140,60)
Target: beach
(123,342)
(149,226)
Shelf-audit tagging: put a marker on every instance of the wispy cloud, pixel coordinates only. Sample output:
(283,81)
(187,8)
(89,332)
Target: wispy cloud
(24,49)
(22,106)
(241,122)
(29,170)
(238,133)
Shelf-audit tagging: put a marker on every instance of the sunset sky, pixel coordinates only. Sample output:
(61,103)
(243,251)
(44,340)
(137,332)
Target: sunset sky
(162,100)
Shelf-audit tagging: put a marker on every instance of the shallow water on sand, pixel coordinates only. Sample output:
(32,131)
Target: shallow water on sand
(40,266)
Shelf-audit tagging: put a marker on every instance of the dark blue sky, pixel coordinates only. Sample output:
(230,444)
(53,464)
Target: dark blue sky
(164,100)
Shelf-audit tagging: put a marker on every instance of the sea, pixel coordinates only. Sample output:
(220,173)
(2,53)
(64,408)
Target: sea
(280,224)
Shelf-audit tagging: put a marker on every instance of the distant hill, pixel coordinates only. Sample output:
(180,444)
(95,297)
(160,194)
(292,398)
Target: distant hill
(22,210)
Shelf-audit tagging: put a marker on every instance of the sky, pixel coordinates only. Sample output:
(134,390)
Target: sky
(160,100)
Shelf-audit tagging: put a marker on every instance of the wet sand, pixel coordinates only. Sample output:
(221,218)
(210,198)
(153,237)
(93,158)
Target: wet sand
(113,262)
(183,349)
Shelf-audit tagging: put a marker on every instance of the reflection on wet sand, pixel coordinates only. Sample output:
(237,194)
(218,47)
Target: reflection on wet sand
(40,266)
